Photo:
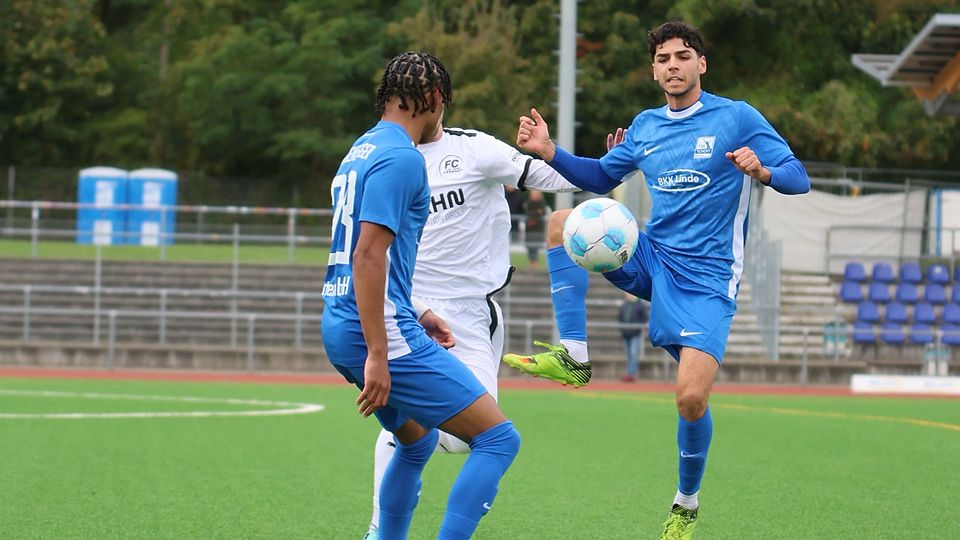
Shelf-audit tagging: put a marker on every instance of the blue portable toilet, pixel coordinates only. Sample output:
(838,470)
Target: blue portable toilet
(156,191)
(102,223)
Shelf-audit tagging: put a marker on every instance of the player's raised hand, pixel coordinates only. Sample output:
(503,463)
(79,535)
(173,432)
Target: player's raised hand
(534,136)
(376,386)
(614,139)
(745,160)
(437,329)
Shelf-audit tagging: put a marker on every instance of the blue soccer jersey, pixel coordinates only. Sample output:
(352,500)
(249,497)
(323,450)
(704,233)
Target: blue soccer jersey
(382,180)
(700,199)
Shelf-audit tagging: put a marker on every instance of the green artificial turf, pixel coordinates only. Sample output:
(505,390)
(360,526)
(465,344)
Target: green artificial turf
(592,465)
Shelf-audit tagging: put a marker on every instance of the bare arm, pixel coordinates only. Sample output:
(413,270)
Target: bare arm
(369,283)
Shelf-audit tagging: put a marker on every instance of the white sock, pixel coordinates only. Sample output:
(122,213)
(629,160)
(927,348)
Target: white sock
(382,454)
(690,502)
(577,349)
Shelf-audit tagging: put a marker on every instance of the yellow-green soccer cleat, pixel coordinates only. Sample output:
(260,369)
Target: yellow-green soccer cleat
(680,524)
(555,364)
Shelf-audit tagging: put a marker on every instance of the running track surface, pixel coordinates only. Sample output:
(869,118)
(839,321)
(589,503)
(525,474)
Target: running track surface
(331,379)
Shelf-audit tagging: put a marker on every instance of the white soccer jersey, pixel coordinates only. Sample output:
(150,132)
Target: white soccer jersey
(465,247)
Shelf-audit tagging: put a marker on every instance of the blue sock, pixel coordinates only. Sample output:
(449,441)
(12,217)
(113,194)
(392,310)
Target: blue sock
(400,487)
(693,438)
(568,289)
(491,454)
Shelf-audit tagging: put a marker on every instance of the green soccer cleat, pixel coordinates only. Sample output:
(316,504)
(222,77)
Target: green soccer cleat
(680,524)
(371,535)
(555,364)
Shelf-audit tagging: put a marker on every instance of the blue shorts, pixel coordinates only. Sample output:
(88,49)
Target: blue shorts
(682,313)
(428,385)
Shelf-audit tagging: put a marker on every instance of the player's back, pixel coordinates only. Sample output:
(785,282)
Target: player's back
(700,199)
(381,180)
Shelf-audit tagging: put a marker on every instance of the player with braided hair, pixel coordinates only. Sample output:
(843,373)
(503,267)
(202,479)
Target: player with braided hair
(373,334)
(412,75)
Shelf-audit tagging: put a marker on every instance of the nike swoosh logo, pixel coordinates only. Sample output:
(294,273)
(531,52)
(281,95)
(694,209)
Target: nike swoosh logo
(684,333)
(648,151)
(558,289)
(486,506)
(686,455)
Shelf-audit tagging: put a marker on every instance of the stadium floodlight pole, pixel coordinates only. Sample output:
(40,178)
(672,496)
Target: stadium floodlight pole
(567,89)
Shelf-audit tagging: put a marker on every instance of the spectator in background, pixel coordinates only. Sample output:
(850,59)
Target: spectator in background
(515,200)
(536,211)
(633,311)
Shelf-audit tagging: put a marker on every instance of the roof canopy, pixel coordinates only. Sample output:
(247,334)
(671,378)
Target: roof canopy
(930,65)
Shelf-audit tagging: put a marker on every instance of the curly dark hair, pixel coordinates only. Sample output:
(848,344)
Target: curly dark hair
(690,35)
(412,76)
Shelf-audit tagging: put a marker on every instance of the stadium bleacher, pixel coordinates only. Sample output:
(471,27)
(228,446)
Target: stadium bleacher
(924,304)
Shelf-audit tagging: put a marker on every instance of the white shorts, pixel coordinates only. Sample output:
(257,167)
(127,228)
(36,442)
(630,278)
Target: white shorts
(477,326)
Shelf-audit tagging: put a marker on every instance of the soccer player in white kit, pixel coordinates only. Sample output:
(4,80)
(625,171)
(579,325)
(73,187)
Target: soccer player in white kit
(464,257)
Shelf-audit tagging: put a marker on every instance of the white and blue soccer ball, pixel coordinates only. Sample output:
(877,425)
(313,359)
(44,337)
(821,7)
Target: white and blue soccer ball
(600,235)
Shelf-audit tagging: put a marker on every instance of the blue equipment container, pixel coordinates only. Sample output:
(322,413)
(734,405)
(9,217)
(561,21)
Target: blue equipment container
(103,223)
(156,191)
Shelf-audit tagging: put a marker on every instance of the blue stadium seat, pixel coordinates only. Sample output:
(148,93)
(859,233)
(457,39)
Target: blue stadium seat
(923,313)
(955,295)
(896,313)
(956,274)
(854,271)
(864,334)
(907,293)
(850,291)
(910,273)
(935,294)
(951,314)
(951,335)
(879,292)
(892,334)
(938,273)
(921,334)
(868,312)
(883,273)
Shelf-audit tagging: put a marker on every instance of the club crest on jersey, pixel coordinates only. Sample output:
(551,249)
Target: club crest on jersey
(704,148)
(451,165)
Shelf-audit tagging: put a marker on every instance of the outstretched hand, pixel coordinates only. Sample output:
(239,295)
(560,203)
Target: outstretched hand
(534,136)
(614,139)
(747,162)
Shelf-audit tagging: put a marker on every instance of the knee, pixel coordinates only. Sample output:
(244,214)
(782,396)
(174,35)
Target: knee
(501,442)
(555,227)
(419,452)
(691,405)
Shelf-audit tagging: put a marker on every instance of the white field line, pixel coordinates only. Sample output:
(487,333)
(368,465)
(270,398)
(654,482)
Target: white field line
(287,407)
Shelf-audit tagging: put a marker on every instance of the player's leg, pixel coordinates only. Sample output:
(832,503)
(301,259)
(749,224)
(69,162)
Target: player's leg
(400,485)
(568,362)
(435,389)
(494,443)
(400,488)
(695,375)
(475,323)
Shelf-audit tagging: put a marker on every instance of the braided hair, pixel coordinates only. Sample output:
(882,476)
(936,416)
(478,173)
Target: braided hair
(413,76)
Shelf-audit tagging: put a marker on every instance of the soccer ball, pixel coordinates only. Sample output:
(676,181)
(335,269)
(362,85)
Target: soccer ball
(600,235)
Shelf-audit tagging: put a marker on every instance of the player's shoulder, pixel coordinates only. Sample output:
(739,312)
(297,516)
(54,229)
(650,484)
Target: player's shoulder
(735,106)
(462,132)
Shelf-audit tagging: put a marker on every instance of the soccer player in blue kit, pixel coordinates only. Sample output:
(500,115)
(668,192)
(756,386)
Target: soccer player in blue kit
(370,330)
(699,155)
